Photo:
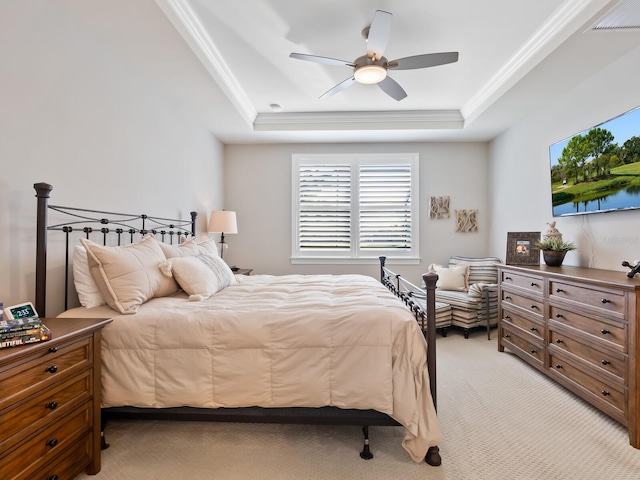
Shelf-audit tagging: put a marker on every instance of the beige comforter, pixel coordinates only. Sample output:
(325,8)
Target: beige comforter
(274,341)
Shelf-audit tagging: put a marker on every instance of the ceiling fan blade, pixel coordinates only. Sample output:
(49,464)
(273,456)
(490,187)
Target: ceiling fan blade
(339,87)
(325,60)
(423,61)
(391,88)
(379,33)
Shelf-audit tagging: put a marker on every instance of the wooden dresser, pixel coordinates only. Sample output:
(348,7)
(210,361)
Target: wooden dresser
(50,403)
(580,327)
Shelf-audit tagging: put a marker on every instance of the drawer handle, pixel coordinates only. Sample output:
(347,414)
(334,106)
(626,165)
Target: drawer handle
(559,290)
(52,477)
(52,405)
(53,349)
(507,297)
(508,278)
(605,300)
(604,331)
(533,307)
(534,351)
(605,393)
(507,336)
(52,443)
(559,341)
(51,369)
(605,362)
(534,284)
(558,366)
(559,315)
(507,317)
(534,329)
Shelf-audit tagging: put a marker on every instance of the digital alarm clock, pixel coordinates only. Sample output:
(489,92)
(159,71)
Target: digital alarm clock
(21,310)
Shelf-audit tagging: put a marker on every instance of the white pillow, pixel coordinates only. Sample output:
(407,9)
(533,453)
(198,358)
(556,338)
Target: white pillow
(200,276)
(209,247)
(184,249)
(452,278)
(86,287)
(128,275)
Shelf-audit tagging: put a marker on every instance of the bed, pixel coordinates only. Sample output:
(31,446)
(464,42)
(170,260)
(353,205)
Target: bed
(338,349)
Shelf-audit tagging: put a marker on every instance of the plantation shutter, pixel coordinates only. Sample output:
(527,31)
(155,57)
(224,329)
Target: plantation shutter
(324,207)
(385,207)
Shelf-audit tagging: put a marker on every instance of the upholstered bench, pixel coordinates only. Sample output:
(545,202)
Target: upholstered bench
(443,317)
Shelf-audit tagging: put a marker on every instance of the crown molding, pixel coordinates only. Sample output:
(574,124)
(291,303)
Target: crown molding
(188,24)
(563,23)
(399,120)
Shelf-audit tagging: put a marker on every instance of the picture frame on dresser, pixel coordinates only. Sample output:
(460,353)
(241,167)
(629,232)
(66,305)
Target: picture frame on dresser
(522,249)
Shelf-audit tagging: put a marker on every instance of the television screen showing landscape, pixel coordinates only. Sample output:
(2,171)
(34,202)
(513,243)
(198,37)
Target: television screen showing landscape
(598,170)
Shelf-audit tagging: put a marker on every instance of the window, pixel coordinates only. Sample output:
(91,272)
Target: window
(355,207)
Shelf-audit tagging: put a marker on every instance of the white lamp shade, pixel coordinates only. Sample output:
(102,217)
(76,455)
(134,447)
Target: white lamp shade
(223,221)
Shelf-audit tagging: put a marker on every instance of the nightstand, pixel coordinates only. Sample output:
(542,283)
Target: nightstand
(243,271)
(50,402)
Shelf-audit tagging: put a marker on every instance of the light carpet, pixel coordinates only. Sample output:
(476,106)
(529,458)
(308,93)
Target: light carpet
(500,419)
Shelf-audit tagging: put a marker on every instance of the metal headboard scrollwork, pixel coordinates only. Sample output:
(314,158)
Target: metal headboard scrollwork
(118,227)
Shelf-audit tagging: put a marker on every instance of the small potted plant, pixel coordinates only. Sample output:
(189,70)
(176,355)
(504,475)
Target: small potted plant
(554,249)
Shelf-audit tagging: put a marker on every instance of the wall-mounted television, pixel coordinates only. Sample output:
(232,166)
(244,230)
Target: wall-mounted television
(597,170)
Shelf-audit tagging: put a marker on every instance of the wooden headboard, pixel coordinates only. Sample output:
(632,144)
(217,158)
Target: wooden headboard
(113,228)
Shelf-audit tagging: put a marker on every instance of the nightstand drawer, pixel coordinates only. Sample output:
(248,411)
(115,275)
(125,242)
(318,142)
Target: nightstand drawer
(43,408)
(70,464)
(46,446)
(31,376)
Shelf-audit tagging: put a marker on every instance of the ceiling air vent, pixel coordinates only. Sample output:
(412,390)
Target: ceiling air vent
(624,16)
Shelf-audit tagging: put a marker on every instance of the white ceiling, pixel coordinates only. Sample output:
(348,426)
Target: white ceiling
(515,56)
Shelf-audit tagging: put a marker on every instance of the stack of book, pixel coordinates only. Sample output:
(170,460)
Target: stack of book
(21,331)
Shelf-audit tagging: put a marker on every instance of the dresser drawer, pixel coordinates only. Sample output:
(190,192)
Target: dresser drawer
(606,332)
(533,327)
(610,394)
(531,283)
(614,364)
(535,308)
(46,446)
(43,408)
(69,464)
(33,375)
(597,300)
(523,346)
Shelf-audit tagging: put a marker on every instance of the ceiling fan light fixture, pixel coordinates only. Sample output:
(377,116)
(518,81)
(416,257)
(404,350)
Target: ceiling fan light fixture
(369,74)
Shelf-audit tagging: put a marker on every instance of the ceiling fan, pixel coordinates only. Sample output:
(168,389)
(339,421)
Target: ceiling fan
(373,67)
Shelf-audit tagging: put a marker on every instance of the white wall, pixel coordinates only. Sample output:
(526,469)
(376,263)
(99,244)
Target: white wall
(258,188)
(520,170)
(75,115)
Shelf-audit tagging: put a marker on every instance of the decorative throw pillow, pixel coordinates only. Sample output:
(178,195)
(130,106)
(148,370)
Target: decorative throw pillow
(128,275)
(86,287)
(209,247)
(452,278)
(184,249)
(200,276)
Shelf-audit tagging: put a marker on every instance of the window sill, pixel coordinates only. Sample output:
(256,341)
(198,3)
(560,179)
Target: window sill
(353,260)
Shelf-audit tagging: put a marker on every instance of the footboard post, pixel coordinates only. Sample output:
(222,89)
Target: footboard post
(382,262)
(430,280)
(42,193)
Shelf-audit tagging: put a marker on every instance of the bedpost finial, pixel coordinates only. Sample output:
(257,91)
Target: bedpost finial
(42,189)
